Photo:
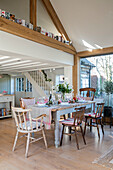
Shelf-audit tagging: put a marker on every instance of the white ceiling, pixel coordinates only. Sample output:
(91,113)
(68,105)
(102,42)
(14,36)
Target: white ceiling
(89,20)
(11,65)
(21,55)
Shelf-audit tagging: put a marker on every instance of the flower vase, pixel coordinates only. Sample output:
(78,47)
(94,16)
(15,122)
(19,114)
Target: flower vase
(63,96)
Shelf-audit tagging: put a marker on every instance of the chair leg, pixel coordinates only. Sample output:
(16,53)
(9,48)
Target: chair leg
(62,136)
(90,125)
(76,139)
(70,133)
(15,141)
(102,127)
(45,141)
(83,135)
(27,145)
(85,126)
(98,131)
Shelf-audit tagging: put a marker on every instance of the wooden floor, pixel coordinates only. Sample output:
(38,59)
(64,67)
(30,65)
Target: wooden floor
(66,157)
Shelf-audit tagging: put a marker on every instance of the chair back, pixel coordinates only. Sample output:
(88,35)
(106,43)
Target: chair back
(79,115)
(22,123)
(89,93)
(26,101)
(100,107)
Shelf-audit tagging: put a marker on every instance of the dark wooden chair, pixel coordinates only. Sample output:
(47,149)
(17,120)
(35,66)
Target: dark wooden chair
(73,123)
(95,118)
(88,93)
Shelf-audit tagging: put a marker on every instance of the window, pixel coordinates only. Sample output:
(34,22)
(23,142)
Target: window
(28,86)
(21,85)
(59,79)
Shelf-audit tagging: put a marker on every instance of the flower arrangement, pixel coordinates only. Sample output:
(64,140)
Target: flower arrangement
(75,99)
(42,100)
(64,88)
(4,92)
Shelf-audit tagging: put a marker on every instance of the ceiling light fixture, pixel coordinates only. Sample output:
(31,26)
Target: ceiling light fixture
(87,45)
(98,46)
(4,57)
(8,61)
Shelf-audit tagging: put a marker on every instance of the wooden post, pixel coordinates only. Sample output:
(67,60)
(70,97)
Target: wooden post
(76,74)
(33,13)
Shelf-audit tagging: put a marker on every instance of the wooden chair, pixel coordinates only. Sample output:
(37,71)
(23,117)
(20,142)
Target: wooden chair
(95,118)
(28,126)
(26,101)
(88,93)
(74,122)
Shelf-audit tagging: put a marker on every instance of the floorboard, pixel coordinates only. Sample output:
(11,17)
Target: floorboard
(66,157)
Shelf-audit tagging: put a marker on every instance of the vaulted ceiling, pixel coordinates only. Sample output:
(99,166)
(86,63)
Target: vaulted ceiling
(89,20)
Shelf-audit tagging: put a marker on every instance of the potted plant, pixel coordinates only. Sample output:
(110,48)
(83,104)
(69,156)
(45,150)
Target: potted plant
(108,87)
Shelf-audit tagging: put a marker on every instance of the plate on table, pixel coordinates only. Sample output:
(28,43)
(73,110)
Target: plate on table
(41,104)
(81,101)
(64,103)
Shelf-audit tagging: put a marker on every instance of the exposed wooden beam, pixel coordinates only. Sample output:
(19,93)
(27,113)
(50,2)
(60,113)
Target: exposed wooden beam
(55,18)
(76,74)
(33,12)
(21,31)
(96,52)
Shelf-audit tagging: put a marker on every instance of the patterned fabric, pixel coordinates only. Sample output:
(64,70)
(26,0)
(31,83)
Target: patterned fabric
(93,115)
(69,121)
(37,111)
(26,102)
(29,126)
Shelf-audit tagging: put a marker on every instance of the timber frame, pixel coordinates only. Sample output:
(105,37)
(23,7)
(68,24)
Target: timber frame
(53,15)
(96,52)
(21,31)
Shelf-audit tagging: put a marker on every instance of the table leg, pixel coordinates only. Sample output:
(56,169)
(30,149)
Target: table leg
(57,132)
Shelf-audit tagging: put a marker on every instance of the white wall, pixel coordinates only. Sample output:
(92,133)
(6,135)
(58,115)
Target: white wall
(44,20)
(20,8)
(5,84)
(26,48)
(53,73)
(68,74)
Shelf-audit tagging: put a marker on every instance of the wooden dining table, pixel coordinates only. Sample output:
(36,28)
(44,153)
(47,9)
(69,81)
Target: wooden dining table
(57,111)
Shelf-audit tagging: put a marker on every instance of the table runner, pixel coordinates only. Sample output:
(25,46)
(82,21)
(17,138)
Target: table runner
(39,110)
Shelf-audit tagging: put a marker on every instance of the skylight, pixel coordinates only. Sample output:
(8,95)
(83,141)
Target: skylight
(98,46)
(88,45)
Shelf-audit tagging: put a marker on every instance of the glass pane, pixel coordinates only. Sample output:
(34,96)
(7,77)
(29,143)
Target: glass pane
(30,87)
(22,84)
(19,84)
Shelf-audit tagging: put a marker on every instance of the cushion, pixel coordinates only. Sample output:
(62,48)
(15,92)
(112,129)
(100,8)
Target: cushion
(26,102)
(69,121)
(29,126)
(93,115)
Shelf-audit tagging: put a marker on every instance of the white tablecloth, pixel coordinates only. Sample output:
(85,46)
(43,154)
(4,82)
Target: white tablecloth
(37,111)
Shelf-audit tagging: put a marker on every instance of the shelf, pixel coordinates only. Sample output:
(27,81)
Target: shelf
(21,31)
(1,117)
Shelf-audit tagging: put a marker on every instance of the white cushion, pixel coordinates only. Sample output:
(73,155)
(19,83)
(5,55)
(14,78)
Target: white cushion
(29,126)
